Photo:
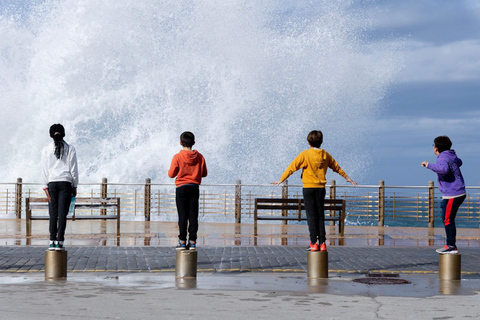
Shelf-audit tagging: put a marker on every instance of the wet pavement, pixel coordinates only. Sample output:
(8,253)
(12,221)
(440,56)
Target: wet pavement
(156,233)
(222,247)
(343,259)
(234,296)
(240,275)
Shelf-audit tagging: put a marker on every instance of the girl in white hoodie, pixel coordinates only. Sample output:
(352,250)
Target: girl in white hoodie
(60,179)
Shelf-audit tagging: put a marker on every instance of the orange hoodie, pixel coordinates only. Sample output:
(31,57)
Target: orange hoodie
(189,167)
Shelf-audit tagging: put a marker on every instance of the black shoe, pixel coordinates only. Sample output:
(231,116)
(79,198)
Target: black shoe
(192,245)
(181,245)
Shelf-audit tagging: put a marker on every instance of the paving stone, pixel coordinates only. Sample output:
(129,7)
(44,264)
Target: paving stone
(348,259)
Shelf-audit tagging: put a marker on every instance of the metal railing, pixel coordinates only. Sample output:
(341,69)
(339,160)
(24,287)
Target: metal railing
(366,204)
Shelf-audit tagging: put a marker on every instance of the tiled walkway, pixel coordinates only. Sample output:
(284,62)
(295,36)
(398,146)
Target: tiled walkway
(236,259)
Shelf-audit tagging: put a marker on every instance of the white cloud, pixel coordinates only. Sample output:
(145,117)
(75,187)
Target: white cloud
(455,61)
(466,123)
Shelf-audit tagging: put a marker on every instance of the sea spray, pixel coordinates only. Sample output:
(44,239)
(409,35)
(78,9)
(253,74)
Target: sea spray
(249,78)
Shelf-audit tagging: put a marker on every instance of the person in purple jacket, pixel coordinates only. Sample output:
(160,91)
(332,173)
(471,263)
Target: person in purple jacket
(451,185)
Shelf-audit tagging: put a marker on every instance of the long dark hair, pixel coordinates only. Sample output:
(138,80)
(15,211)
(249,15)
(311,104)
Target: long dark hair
(57,132)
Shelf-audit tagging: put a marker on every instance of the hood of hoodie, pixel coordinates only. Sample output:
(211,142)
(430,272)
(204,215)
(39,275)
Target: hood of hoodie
(452,183)
(189,157)
(451,156)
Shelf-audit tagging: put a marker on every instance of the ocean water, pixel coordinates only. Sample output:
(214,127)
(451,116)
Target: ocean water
(249,78)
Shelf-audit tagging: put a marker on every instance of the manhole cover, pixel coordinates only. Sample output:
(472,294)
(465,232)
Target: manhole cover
(383,275)
(381,280)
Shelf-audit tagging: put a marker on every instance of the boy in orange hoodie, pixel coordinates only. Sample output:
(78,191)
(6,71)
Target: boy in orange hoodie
(314,163)
(189,167)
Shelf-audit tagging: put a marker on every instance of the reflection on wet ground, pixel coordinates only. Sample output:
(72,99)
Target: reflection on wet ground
(155,233)
(337,284)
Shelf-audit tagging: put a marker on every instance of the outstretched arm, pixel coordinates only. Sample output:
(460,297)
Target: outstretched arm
(351,181)
(441,167)
(332,164)
(296,164)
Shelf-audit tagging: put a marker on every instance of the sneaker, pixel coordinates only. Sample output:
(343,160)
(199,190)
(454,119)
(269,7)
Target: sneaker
(51,247)
(192,245)
(181,245)
(448,249)
(323,247)
(59,247)
(313,247)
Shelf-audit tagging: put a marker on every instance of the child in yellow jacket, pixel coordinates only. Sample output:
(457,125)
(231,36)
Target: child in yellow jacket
(314,163)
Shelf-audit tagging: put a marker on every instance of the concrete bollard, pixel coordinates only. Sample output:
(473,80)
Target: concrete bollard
(317,264)
(55,265)
(450,266)
(186,264)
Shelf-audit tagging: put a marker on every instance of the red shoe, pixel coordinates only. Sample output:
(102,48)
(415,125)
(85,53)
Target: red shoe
(323,247)
(313,247)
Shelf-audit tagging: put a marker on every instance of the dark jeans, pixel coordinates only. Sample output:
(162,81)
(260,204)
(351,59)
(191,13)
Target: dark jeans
(314,199)
(186,198)
(61,195)
(449,212)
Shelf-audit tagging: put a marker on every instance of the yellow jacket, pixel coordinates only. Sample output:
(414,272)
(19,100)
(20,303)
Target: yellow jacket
(314,163)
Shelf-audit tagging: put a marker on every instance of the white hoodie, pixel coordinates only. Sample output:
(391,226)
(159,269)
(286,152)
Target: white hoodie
(58,170)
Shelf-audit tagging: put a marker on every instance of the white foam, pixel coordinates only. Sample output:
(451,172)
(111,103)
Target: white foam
(250,79)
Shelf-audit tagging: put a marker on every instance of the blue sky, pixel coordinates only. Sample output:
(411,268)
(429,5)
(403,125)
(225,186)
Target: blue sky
(438,92)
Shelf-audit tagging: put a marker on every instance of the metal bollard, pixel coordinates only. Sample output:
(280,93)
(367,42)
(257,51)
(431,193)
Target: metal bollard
(55,265)
(450,266)
(447,287)
(185,283)
(186,264)
(317,264)
(318,285)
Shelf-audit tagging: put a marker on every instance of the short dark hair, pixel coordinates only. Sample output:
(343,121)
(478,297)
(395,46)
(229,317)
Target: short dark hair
(442,143)
(187,139)
(315,138)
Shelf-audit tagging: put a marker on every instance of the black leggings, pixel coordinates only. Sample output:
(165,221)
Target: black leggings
(449,212)
(186,198)
(314,199)
(61,196)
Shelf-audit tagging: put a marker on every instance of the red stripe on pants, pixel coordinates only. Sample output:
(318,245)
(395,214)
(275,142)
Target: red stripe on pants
(448,212)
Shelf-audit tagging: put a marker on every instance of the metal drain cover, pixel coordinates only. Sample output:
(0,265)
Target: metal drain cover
(383,275)
(381,280)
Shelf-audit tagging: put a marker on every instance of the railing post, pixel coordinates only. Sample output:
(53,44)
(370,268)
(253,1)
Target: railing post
(333,195)
(381,203)
(104,194)
(431,204)
(238,201)
(18,198)
(333,189)
(147,197)
(285,196)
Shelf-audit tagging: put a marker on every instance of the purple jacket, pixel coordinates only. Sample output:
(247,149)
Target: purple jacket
(450,179)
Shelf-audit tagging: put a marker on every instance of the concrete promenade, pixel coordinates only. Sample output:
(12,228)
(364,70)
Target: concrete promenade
(240,276)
